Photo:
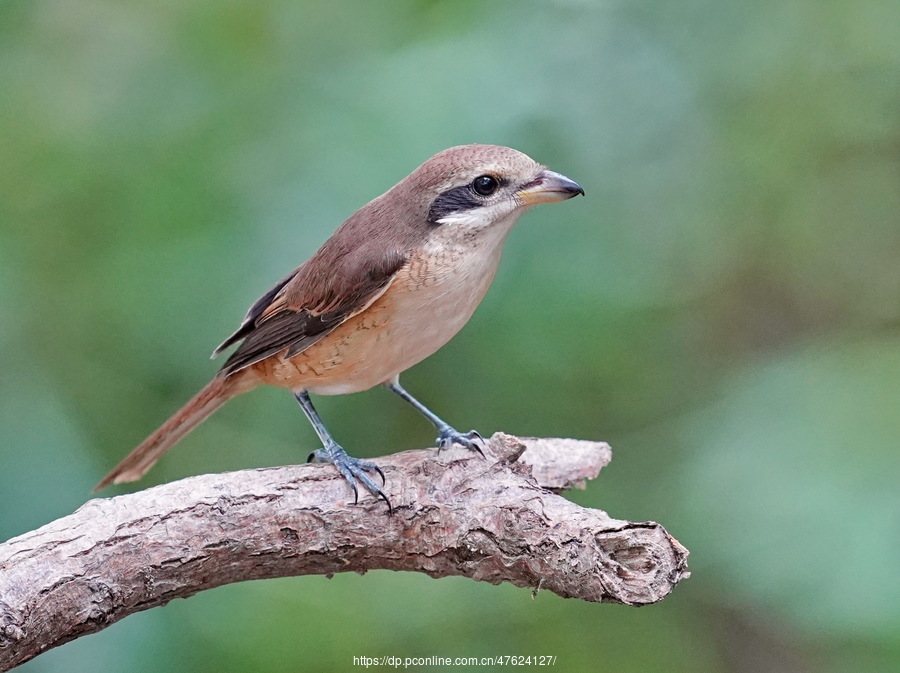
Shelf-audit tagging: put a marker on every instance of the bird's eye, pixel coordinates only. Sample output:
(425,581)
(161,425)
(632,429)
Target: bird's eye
(485,185)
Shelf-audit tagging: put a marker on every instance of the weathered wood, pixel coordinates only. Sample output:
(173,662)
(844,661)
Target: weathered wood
(455,513)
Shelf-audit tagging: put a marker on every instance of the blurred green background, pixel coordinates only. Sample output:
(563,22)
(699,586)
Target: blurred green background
(723,307)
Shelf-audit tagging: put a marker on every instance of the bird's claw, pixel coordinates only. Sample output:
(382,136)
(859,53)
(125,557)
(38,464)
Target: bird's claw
(354,470)
(470,440)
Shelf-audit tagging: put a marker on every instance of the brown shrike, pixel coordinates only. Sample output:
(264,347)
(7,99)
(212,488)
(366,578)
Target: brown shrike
(391,286)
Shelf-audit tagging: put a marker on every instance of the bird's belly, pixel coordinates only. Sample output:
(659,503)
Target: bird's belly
(424,307)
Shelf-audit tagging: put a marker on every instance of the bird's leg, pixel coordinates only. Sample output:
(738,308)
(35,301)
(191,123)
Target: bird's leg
(352,469)
(447,435)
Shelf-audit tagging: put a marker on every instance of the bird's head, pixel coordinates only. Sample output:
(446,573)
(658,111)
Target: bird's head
(476,186)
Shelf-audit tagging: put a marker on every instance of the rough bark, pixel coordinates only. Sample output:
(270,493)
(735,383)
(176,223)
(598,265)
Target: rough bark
(455,513)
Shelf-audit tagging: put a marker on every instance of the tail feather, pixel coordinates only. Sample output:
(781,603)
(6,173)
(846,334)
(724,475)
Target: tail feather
(135,464)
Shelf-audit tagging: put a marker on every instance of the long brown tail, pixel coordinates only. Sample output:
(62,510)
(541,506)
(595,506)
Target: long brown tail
(135,464)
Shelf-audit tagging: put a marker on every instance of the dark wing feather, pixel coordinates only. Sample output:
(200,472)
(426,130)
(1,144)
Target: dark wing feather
(296,330)
(307,305)
(253,313)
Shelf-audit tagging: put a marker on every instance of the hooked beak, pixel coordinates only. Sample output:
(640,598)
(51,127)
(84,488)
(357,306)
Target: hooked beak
(548,187)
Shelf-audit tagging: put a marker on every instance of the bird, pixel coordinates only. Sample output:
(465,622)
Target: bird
(393,284)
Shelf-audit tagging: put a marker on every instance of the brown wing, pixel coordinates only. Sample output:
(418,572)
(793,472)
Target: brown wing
(308,304)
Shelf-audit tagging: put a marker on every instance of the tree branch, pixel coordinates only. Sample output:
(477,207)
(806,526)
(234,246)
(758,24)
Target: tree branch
(455,514)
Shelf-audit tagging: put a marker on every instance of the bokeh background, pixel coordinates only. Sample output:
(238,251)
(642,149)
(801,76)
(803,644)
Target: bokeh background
(723,306)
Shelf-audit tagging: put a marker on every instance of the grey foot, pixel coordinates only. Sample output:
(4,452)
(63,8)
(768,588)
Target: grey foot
(354,470)
(470,440)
